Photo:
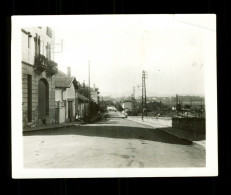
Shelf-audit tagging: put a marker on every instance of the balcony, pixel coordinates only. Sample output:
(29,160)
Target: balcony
(43,64)
(52,68)
(40,63)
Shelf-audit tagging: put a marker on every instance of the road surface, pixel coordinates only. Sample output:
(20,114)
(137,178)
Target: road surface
(112,143)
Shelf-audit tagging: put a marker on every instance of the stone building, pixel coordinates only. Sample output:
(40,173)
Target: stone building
(38,70)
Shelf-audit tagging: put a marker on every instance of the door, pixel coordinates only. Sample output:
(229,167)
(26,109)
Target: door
(43,104)
(70,110)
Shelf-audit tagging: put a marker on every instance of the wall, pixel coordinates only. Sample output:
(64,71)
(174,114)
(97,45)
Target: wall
(28,69)
(196,125)
(50,119)
(127,105)
(153,121)
(70,95)
(29,53)
(81,108)
(70,92)
(61,114)
(58,94)
(94,96)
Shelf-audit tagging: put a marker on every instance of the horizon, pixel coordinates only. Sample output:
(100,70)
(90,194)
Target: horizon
(158,96)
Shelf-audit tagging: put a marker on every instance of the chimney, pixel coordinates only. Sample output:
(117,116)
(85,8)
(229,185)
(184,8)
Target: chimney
(69,71)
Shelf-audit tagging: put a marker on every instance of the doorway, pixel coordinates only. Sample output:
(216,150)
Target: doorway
(43,98)
(70,110)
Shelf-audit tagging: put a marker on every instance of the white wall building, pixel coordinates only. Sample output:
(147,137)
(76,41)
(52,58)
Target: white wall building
(65,89)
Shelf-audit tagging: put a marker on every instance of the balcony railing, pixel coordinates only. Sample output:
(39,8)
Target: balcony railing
(43,64)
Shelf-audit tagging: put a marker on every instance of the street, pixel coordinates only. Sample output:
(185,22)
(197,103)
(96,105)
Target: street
(112,143)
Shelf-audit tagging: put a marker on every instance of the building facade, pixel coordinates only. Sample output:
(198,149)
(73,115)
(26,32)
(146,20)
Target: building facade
(82,105)
(65,89)
(95,94)
(127,105)
(38,70)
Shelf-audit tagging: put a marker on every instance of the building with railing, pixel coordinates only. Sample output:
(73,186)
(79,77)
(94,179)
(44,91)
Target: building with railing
(38,69)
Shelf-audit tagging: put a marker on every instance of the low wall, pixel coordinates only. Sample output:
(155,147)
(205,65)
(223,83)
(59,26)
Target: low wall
(153,121)
(196,125)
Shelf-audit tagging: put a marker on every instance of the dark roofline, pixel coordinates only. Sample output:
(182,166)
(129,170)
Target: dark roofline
(126,101)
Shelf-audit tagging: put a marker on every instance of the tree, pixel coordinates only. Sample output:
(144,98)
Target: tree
(118,106)
(178,107)
(187,106)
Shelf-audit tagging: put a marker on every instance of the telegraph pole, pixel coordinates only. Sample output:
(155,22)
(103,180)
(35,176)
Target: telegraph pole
(144,102)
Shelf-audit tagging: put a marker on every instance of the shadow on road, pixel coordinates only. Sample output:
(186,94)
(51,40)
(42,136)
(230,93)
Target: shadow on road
(117,132)
(189,135)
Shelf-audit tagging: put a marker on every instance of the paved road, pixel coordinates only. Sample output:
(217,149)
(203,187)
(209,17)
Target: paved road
(111,143)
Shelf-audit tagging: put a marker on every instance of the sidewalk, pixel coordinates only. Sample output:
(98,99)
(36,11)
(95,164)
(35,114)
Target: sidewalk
(53,126)
(197,139)
(187,135)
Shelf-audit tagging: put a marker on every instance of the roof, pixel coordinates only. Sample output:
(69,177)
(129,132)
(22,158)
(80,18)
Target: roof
(65,81)
(61,73)
(126,101)
(80,96)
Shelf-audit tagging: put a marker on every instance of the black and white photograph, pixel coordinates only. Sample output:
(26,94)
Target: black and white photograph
(114,96)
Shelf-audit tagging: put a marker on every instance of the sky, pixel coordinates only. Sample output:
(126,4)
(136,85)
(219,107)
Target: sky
(172,49)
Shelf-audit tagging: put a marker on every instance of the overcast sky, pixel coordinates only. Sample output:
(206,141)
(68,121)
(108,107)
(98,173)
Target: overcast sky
(170,48)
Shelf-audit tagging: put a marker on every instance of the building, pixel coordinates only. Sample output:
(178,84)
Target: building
(38,70)
(69,100)
(65,90)
(82,105)
(95,94)
(127,105)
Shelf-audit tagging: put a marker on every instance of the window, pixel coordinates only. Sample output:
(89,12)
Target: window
(37,44)
(42,47)
(48,51)
(29,40)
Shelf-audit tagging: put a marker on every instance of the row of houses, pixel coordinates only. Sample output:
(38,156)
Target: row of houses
(49,95)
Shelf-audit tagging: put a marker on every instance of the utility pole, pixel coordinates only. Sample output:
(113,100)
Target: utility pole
(144,102)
